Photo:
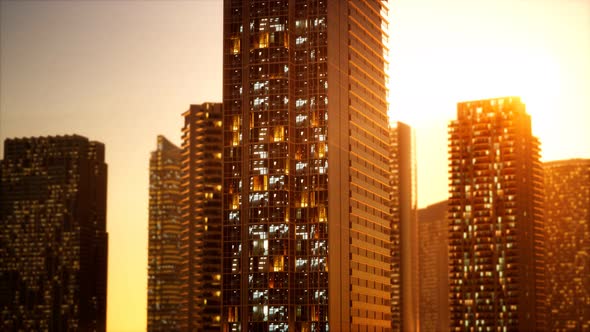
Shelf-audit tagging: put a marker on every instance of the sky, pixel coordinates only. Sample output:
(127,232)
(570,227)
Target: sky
(122,72)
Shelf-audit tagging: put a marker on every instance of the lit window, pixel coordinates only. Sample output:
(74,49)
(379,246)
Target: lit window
(235,45)
(263,40)
(278,133)
(278,263)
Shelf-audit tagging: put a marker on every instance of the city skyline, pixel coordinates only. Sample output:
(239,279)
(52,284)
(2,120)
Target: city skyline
(100,103)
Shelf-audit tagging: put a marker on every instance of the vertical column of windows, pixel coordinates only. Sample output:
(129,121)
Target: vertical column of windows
(234,49)
(267,143)
(207,200)
(396,276)
(309,185)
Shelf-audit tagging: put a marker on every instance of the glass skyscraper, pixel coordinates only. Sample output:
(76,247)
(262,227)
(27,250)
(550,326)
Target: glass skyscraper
(164,238)
(53,239)
(433,267)
(567,213)
(200,205)
(306,192)
(404,232)
(495,215)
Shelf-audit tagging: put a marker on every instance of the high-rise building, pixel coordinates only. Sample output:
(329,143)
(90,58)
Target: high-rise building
(404,231)
(53,240)
(567,215)
(201,218)
(434,268)
(496,228)
(306,212)
(164,238)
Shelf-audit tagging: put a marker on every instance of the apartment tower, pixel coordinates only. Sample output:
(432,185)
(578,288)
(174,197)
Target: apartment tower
(200,205)
(53,240)
(496,228)
(404,230)
(306,211)
(164,238)
(567,214)
(433,267)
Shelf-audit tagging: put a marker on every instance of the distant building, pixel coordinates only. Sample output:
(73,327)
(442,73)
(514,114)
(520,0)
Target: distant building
(306,193)
(53,240)
(567,214)
(405,305)
(434,268)
(164,238)
(201,218)
(496,228)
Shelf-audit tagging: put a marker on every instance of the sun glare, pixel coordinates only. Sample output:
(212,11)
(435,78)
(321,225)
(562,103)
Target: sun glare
(532,75)
(480,74)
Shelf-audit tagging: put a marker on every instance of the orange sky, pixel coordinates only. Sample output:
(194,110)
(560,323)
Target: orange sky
(123,72)
(445,52)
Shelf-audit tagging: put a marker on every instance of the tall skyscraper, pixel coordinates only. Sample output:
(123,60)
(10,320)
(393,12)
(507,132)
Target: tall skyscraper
(496,228)
(404,281)
(201,218)
(306,206)
(567,215)
(433,267)
(164,238)
(53,240)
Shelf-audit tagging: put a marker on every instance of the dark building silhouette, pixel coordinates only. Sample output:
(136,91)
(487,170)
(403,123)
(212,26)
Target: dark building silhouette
(496,228)
(306,193)
(201,218)
(433,268)
(164,238)
(404,282)
(53,240)
(567,214)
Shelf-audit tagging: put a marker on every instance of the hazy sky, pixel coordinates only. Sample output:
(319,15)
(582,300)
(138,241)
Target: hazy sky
(123,72)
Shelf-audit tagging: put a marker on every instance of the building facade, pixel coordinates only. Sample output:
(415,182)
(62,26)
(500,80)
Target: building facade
(496,228)
(53,240)
(433,268)
(404,231)
(567,214)
(200,205)
(306,212)
(164,238)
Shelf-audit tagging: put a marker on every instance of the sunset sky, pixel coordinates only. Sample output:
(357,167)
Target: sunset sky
(122,72)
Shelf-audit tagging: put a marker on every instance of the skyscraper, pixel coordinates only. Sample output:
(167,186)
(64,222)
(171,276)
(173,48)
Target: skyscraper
(306,212)
(567,214)
(433,267)
(53,240)
(496,228)
(201,218)
(404,282)
(164,238)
